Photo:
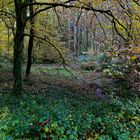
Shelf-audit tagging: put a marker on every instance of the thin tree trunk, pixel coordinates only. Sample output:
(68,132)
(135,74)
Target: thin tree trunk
(31,42)
(77,41)
(69,35)
(80,40)
(74,42)
(86,44)
(75,38)
(92,41)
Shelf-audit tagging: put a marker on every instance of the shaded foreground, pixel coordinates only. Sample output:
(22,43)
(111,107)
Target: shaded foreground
(54,111)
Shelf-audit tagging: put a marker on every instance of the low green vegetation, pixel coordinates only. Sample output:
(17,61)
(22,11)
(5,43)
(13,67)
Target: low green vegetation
(60,114)
(52,110)
(55,70)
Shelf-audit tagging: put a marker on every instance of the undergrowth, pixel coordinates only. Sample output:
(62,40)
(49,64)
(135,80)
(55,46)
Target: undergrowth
(59,114)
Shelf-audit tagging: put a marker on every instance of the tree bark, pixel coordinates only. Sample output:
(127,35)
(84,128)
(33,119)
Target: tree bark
(18,47)
(31,42)
(17,66)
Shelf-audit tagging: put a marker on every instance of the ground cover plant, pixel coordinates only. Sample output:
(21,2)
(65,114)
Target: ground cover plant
(55,111)
(71,116)
(69,70)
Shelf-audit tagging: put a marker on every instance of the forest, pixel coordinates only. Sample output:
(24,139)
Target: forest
(69,70)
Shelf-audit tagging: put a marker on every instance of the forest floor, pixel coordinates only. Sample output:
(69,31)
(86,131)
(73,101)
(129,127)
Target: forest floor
(68,105)
(73,77)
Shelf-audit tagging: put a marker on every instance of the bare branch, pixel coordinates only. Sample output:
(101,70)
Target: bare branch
(78,18)
(70,4)
(101,26)
(62,58)
(137,2)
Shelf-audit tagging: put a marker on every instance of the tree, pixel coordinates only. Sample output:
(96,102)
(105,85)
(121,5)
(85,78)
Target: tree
(21,14)
(31,41)
(21,20)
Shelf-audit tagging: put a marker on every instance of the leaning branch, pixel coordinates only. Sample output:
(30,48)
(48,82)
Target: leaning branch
(62,58)
(137,2)
(70,4)
(48,3)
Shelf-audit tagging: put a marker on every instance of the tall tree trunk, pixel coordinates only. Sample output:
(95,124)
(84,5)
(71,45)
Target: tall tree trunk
(74,42)
(77,41)
(31,42)
(18,46)
(92,41)
(80,40)
(86,44)
(17,66)
(69,36)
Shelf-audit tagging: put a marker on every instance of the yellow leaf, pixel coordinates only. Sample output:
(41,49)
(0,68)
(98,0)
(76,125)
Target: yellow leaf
(133,57)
